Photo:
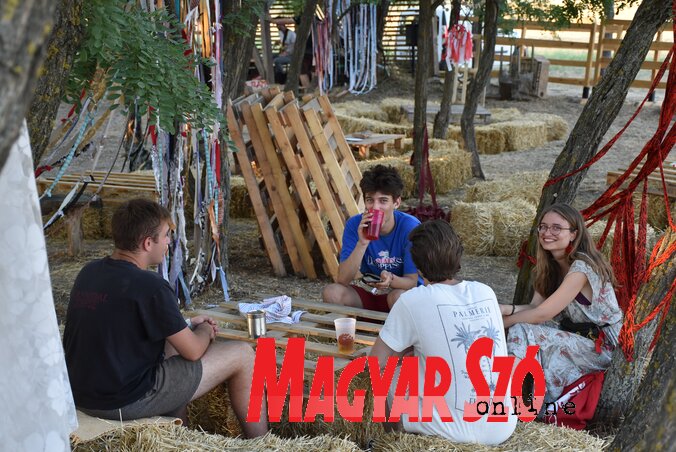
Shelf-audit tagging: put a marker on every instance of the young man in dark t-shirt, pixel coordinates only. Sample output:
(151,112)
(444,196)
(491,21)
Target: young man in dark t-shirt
(129,352)
(388,257)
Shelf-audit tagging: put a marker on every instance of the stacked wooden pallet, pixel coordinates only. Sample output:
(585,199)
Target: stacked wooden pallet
(306,183)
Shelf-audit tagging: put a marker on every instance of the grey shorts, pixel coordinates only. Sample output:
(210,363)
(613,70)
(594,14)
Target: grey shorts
(176,382)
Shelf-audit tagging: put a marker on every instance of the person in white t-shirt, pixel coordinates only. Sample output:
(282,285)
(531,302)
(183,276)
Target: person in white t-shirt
(443,318)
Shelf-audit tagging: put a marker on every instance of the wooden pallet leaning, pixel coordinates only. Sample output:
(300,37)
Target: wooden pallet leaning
(654,179)
(329,141)
(291,205)
(273,189)
(272,247)
(287,142)
(313,325)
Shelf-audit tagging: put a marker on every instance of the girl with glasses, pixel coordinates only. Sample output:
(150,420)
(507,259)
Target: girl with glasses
(574,311)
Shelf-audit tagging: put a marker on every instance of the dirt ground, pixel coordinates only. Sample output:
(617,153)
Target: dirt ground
(250,276)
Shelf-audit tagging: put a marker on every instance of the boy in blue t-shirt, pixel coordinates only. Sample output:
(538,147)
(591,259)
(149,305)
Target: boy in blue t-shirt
(389,256)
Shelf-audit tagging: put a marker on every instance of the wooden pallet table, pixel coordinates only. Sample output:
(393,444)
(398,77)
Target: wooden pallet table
(456,112)
(317,326)
(364,142)
(654,180)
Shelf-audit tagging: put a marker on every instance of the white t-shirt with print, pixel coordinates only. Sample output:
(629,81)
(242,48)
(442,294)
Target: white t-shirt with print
(444,320)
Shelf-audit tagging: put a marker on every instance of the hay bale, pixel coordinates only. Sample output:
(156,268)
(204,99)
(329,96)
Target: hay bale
(505,114)
(596,230)
(557,127)
(164,438)
(400,164)
(240,203)
(443,145)
(473,223)
(523,134)
(526,186)
(360,109)
(489,139)
(657,212)
(511,226)
(527,436)
(395,109)
(213,413)
(351,124)
(450,167)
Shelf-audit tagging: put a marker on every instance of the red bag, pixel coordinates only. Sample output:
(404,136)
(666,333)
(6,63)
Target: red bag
(584,393)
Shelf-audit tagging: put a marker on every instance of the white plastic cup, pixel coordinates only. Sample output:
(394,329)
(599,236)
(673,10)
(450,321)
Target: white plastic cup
(345,332)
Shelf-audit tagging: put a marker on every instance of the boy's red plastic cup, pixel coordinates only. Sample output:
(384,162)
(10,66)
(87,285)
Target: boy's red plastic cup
(373,228)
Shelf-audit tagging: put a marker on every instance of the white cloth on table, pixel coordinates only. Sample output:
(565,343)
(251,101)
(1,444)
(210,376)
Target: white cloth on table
(277,309)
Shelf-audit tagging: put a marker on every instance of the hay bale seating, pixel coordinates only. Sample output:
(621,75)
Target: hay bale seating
(505,114)
(351,124)
(489,139)
(240,204)
(492,228)
(451,168)
(523,134)
(360,109)
(178,438)
(395,109)
(557,127)
(526,186)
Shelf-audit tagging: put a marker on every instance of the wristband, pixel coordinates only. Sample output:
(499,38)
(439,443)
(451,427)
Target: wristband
(513,308)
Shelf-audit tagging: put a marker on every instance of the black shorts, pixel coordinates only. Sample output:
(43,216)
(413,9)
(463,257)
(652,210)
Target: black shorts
(176,382)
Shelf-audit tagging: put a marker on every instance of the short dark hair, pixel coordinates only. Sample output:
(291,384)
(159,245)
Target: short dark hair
(436,250)
(135,220)
(384,179)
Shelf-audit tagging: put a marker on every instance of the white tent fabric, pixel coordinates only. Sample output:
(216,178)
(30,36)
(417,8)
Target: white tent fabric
(37,410)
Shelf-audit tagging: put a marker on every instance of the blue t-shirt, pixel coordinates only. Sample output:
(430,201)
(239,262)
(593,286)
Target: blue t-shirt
(391,252)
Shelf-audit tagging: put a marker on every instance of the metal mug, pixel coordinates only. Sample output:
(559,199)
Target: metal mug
(255,321)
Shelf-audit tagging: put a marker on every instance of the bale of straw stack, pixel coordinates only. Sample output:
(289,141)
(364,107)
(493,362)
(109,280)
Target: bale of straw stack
(360,109)
(473,222)
(359,432)
(505,114)
(526,186)
(557,127)
(395,109)
(523,134)
(240,203)
(400,164)
(351,124)
(448,144)
(511,226)
(596,230)
(213,413)
(538,436)
(489,139)
(657,211)
(451,168)
(179,438)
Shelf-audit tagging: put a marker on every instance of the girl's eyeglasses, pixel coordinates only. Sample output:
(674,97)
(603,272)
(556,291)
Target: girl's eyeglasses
(555,229)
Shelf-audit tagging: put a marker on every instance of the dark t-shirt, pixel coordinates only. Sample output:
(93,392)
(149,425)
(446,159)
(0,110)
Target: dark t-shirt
(118,319)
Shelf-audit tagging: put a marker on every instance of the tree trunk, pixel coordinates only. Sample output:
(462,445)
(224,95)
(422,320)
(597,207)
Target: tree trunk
(302,35)
(623,378)
(237,48)
(476,86)
(650,423)
(596,118)
(383,8)
(64,41)
(443,118)
(422,63)
(24,29)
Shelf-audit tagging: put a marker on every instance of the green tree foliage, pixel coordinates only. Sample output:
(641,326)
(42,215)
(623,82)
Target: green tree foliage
(145,60)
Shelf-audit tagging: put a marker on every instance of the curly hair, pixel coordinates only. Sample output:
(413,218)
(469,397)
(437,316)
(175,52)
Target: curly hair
(384,179)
